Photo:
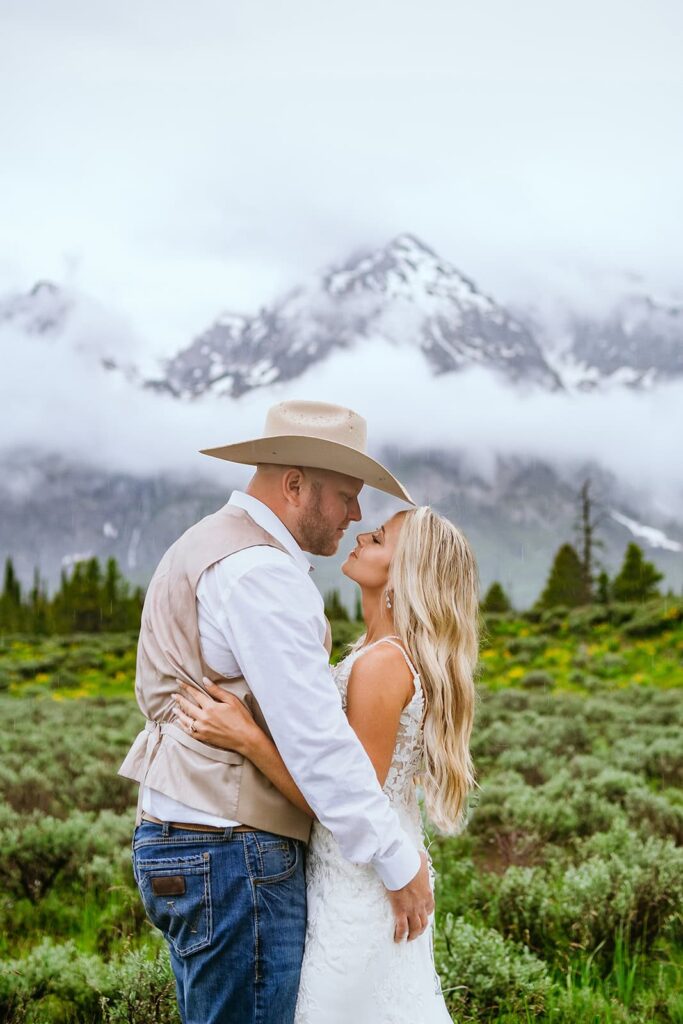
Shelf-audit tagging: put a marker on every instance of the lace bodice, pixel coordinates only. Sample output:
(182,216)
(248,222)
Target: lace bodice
(407,760)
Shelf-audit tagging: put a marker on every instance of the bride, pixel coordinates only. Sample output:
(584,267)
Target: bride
(407,689)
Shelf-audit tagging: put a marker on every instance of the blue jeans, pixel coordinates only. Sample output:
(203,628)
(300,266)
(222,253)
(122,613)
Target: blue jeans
(232,907)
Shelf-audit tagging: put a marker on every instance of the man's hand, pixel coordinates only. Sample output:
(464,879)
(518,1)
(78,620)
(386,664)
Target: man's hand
(413,904)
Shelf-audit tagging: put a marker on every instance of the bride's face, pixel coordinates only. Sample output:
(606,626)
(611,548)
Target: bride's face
(368,564)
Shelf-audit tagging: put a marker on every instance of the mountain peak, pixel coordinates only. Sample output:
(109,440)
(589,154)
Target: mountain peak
(44,288)
(41,310)
(408,245)
(401,292)
(403,268)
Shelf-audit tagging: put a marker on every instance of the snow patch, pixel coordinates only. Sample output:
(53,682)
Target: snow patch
(650,534)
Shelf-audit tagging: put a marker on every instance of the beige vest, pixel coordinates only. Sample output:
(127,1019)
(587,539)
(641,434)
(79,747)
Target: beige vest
(220,782)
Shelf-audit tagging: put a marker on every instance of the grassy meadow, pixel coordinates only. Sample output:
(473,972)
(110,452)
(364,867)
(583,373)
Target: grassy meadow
(560,902)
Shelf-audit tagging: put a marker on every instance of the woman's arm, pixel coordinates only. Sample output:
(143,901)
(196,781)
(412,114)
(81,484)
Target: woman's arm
(380,686)
(224,721)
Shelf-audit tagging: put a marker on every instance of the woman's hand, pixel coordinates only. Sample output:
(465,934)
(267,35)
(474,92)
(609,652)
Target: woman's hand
(221,719)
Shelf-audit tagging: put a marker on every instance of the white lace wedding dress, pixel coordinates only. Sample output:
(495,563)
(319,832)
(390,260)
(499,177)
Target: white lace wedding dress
(353,972)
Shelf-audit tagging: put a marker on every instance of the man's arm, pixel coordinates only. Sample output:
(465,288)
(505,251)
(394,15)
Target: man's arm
(379,688)
(271,618)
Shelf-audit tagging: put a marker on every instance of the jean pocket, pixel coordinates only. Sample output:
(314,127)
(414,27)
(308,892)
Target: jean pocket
(176,893)
(275,859)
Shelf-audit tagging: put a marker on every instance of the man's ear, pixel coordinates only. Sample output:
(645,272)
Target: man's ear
(293,485)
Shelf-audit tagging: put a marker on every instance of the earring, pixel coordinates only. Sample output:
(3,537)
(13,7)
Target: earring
(388,599)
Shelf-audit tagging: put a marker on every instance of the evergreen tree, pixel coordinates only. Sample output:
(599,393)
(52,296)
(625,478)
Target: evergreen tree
(602,594)
(358,609)
(637,579)
(39,607)
(11,590)
(496,600)
(115,599)
(11,610)
(566,582)
(134,608)
(586,526)
(334,609)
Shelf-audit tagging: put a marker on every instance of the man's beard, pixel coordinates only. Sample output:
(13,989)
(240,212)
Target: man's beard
(315,535)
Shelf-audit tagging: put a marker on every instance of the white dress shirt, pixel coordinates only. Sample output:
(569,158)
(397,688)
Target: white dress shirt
(261,616)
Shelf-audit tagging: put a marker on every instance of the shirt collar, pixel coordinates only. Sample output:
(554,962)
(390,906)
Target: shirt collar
(268,521)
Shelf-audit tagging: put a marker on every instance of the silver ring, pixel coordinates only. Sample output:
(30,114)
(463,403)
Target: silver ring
(193,727)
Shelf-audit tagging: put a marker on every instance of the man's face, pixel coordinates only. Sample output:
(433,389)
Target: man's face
(331,504)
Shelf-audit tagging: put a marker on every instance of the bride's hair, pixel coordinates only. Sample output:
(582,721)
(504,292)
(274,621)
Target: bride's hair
(433,575)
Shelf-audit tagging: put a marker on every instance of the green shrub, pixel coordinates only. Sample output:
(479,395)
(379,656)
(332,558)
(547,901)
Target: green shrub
(654,813)
(56,983)
(665,760)
(654,618)
(537,681)
(621,612)
(38,851)
(482,973)
(53,983)
(140,990)
(527,644)
(583,620)
(622,884)
(609,665)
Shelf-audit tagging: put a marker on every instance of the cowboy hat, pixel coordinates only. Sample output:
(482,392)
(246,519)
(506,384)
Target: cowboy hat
(317,435)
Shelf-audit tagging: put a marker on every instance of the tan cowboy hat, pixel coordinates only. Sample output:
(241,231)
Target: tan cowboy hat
(317,435)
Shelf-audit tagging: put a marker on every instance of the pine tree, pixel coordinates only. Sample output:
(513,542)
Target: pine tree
(496,600)
(566,582)
(586,527)
(115,598)
(134,608)
(12,612)
(602,594)
(637,579)
(39,606)
(358,609)
(11,590)
(334,609)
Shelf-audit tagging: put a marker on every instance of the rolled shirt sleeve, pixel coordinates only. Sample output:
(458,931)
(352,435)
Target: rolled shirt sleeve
(272,619)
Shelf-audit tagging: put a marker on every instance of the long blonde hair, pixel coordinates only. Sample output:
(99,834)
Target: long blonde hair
(433,575)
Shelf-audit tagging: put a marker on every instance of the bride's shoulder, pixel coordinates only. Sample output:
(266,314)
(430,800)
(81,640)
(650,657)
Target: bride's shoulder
(382,667)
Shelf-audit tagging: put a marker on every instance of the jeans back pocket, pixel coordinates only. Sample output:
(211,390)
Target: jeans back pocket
(176,893)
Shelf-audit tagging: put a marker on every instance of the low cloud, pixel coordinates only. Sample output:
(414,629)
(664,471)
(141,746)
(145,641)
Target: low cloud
(54,397)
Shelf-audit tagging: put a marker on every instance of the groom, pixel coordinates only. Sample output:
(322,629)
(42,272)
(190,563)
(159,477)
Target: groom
(218,851)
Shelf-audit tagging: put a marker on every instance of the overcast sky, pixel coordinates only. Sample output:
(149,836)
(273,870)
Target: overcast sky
(175,159)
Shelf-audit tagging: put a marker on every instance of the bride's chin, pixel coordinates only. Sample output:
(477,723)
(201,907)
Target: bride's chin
(346,567)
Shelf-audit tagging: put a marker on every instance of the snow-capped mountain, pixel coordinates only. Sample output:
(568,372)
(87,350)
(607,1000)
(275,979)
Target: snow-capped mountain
(406,294)
(401,301)
(43,310)
(51,314)
(638,344)
(402,293)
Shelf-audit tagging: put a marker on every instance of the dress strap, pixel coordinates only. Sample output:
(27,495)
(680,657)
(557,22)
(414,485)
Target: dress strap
(399,647)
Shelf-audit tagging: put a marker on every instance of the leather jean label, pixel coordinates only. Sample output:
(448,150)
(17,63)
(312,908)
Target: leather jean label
(168,885)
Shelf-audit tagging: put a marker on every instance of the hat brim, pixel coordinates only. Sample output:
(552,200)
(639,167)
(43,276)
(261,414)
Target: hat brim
(315,453)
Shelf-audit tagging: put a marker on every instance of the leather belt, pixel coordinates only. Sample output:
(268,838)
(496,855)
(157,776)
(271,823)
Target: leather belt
(196,828)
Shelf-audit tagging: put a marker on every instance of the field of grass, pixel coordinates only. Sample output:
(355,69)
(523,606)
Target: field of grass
(561,902)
